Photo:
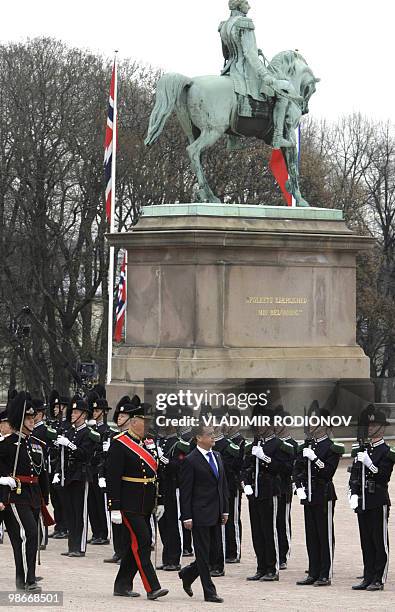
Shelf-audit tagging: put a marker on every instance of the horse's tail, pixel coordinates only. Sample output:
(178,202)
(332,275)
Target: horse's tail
(168,92)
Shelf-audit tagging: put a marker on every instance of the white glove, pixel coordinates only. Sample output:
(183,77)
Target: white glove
(102,482)
(116,517)
(8,481)
(301,493)
(106,446)
(309,453)
(353,502)
(257,451)
(160,452)
(364,458)
(56,479)
(248,490)
(63,441)
(159,512)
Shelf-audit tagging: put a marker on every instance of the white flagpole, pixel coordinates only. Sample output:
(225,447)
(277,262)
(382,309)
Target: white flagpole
(112,230)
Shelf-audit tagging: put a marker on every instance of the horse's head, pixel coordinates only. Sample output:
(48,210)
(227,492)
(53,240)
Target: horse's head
(293,66)
(307,88)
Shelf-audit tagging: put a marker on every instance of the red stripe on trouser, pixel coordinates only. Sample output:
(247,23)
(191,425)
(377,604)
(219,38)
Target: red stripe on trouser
(135,551)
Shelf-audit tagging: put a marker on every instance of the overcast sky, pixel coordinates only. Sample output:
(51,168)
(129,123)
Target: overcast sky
(349,44)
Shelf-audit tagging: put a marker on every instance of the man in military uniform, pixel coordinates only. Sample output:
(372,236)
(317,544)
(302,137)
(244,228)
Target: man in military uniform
(46,435)
(248,73)
(23,494)
(5,427)
(79,443)
(231,457)
(5,430)
(314,469)
(58,408)
(284,530)
(370,474)
(233,461)
(172,453)
(264,463)
(185,433)
(120,534)
(132,468)
(97,498)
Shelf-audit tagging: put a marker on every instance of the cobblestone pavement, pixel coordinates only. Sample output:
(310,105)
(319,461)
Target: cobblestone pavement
(87,583)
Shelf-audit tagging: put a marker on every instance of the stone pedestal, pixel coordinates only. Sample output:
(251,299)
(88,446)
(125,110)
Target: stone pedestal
(227,291)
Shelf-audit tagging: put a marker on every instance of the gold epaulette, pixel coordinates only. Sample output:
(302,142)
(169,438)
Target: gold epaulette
(119,435)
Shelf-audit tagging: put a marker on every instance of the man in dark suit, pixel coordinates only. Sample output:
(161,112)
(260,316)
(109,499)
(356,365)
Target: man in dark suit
(204,505)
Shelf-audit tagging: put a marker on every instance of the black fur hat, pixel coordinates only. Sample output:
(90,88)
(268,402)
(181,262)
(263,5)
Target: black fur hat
(20,407)
(378,418)
(102,404)
(54,398)
(98,403)
(100,390)
(78,403)
(11,395)
(38,404)
(92,399)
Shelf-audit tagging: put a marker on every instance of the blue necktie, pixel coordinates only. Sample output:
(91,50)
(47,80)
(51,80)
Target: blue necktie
(212,463)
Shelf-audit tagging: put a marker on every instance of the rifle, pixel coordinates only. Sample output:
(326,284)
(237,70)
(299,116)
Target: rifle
(363,446)
(257,442)
(308,441)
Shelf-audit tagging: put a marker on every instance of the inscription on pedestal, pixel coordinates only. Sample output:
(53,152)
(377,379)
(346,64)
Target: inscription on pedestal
(278,301)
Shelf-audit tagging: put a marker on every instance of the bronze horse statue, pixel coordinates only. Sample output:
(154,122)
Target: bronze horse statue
(207,108)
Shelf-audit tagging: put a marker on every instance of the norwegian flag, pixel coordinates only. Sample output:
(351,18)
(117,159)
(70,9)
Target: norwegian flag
(109,145)
(121,303)
(280,171)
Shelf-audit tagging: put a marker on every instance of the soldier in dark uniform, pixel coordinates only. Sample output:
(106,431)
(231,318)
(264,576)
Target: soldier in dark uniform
(5,427)
(233,462)
(185,433)
(314,469)
(120,534)
(284,530)
(370,474)
(229,453)
(40,430)
(264,464)
(46,435)
(79,443)
(5,430)
(23,495)
(132,467)
(172,453)
(97,498)
(58,421)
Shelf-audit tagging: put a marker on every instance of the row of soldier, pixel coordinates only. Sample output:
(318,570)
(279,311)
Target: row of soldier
(63,458)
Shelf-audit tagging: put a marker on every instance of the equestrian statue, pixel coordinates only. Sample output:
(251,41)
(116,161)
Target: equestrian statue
(251,98)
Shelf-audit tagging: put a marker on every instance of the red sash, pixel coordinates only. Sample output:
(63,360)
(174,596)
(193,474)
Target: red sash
(140,451)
